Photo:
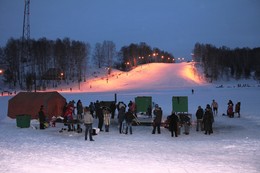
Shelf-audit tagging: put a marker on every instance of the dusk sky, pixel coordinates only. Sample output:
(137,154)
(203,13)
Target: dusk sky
(171,25)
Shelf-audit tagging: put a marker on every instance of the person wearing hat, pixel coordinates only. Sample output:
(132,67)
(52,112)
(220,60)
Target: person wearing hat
(88,121)
(208,119)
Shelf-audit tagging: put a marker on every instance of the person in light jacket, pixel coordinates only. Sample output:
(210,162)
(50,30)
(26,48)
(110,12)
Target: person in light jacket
(88,121)
(107,116)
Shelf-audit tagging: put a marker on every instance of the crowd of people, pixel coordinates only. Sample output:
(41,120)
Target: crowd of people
(205,118)
(75,115)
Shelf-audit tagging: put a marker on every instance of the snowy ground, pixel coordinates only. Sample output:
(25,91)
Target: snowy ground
(233,147)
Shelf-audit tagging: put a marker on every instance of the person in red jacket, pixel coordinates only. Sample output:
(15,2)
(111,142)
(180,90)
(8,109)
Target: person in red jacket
(69,115)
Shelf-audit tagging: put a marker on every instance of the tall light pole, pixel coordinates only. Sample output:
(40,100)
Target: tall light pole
(25,41)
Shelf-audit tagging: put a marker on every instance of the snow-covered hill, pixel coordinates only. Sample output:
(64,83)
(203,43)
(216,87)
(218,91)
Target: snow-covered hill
(150,76)
(233,147)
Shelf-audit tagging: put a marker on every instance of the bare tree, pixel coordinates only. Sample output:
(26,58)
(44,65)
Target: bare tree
(109,52)
(98,56)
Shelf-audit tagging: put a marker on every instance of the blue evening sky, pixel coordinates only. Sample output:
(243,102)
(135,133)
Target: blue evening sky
(171,25)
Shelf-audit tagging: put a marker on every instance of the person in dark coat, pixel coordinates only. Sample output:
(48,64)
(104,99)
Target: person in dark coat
(121,117)
(113,109)
(79,109)
(199,116)
(92,109)
(129,116)
(79,114)
(157,119)
(149,111)
(100,116)
(208,119)
(237,109)
(42,117)
(173,124)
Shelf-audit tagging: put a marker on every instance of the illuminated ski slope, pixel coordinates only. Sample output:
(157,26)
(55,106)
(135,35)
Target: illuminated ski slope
(149,76)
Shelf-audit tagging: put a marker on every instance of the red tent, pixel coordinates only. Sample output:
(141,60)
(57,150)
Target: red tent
(29,103)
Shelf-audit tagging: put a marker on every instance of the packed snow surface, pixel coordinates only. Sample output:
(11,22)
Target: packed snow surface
(233,147)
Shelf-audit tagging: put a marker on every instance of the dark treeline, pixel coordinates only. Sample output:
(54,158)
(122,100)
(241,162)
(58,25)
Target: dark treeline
(223,62)
(138,54)
(47,63)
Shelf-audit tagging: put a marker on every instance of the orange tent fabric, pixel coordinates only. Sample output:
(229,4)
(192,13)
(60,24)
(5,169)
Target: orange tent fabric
(30,102)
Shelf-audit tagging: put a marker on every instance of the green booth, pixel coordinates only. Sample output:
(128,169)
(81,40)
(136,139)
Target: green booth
(142,103)
(180,103)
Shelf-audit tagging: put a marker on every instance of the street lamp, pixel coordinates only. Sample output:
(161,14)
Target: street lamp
(61,75)
(127,66)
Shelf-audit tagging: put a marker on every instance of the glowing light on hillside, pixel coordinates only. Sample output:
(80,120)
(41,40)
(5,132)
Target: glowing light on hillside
(154,75)
(190,72)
